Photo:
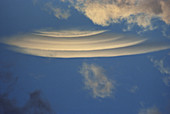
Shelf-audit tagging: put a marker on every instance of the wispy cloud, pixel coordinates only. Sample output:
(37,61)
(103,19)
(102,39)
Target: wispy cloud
(76,43)
(53,8)
(141,12)
(151,110)
(166,80)
(96,81)
(160,65)
(165,31)
(57,11)
(163,68)
(134,89)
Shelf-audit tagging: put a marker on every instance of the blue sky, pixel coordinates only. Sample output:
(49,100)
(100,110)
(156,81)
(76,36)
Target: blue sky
(84,56)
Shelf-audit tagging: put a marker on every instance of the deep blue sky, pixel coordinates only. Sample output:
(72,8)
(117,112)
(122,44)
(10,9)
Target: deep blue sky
(129,84)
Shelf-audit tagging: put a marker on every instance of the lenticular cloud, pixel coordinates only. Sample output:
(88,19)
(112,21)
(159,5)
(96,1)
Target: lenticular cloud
(77,44)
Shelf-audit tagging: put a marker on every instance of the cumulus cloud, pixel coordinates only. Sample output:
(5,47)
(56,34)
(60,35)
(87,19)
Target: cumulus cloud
(96,81)
(76,44)
(141,12)
(151,110)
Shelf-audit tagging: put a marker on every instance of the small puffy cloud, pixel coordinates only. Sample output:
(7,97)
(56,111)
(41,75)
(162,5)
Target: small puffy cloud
(61,14)
(53,8)
(57,11)
(141,12)
(96,81)
(151,110)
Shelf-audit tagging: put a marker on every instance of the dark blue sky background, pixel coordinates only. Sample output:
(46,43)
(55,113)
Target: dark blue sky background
(140,83)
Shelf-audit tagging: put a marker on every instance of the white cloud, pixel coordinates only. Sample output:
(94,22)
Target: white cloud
(141,12)
(151,110)
(96,81)
(76,44)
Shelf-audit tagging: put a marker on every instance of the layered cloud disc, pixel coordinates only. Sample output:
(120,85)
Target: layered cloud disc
(70,33)
(75,43)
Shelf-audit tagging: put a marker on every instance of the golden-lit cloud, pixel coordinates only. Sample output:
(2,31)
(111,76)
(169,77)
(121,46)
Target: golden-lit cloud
(96,81)
(141,12)
(82,44)
(69,33)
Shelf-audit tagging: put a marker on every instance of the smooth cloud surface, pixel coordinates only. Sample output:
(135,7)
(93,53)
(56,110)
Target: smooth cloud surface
(73,44)
(70,33)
